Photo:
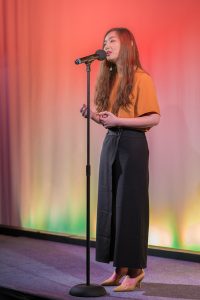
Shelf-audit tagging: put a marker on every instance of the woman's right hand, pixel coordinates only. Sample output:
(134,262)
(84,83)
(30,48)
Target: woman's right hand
(83,111)
(94,116)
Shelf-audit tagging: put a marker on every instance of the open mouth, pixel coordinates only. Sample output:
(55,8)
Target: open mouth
(108,53)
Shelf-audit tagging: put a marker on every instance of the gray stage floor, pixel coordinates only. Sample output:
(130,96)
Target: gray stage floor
(50,269)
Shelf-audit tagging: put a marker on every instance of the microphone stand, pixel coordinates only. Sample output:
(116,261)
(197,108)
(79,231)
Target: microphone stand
(87,289)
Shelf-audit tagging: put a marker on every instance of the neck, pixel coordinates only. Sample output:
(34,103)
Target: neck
(119,70)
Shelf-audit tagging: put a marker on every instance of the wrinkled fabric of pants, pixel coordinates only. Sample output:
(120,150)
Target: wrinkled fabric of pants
(123,201)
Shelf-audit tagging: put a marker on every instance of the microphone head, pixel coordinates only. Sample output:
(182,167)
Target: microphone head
(101,54)
(78,61)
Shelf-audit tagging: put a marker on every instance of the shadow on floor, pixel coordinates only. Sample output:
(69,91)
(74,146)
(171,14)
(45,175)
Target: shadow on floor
(10,294)
(171,290)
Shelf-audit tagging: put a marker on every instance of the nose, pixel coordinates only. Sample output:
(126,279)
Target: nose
(106,47)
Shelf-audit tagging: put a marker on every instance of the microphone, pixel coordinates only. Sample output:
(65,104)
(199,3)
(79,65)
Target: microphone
(99,54)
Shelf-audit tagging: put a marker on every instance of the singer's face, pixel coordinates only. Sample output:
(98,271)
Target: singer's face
(112,46)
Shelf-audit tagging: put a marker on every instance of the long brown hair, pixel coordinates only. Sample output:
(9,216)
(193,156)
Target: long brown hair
(129,59)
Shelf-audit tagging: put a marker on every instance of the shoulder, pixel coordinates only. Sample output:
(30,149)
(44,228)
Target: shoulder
(141,77)
(143,82)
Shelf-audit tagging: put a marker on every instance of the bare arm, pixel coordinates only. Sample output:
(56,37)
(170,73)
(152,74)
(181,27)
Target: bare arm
(93,115)
(147,121)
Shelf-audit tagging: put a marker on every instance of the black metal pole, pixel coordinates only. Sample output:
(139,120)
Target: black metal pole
(88,172)
(88,290)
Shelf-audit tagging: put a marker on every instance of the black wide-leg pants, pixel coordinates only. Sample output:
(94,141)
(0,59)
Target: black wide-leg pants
(123,202)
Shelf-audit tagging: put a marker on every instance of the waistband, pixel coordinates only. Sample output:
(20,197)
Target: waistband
(120,130)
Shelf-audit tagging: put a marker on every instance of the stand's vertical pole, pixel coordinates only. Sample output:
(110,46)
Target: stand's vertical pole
(87,289)
(88,171)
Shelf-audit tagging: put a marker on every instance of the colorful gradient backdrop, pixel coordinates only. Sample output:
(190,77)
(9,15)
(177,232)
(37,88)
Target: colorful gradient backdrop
(42,136)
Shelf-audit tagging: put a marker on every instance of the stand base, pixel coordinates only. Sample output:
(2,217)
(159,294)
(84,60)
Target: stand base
(83,290)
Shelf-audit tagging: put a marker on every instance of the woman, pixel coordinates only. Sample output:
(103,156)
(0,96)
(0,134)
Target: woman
(126,105)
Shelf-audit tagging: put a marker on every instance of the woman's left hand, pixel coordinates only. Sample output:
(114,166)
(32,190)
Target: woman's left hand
(108,119)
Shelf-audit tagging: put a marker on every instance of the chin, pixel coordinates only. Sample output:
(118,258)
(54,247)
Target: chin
(113,60)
